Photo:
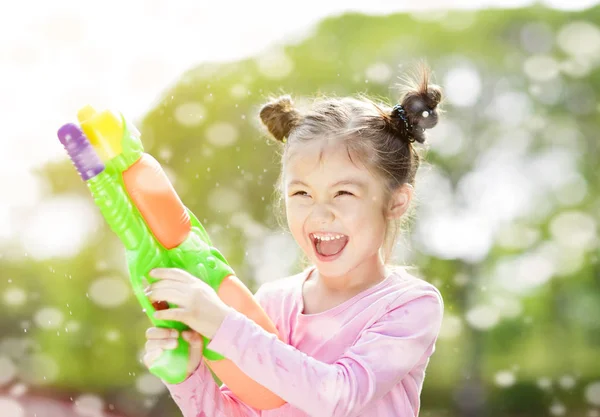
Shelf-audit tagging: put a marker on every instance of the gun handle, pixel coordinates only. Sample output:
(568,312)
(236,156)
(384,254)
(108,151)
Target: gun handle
(172,365)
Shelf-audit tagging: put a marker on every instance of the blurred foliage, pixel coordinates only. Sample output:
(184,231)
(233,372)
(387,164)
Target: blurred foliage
(205,132)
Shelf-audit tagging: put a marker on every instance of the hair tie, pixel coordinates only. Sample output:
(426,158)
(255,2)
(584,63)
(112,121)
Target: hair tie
(398,111)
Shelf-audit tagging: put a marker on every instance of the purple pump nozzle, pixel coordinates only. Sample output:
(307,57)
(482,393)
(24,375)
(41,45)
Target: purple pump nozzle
(80,150)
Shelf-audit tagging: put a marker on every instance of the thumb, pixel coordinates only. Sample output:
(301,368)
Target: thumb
(196,348)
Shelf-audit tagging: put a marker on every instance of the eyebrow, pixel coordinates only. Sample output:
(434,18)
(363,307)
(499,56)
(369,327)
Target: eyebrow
(350,181)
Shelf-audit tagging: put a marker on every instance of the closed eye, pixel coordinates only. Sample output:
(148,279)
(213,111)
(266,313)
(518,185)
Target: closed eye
(344,192)
(300,193)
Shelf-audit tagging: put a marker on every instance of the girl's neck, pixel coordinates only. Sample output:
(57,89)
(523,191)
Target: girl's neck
(368,273)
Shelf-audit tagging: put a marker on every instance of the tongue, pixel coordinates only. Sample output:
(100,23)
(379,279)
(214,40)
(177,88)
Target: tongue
(330,247)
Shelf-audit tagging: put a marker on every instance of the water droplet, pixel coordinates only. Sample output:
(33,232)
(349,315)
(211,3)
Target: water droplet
(15,296)
(505,378)
(11,407)
(544,383)
(567,381)
(8,370)
(89,405)
(109,292)
(49,318)
(483,317)
(39,368)
(149,384)
(557,409)
(592,393)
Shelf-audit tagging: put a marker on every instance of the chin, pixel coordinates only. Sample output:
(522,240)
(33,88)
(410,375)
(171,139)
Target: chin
(336,268)
(329,269)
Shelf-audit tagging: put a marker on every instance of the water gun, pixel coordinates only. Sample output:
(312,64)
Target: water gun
(141,206)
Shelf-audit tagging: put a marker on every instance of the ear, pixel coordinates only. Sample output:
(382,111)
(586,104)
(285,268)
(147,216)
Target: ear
(400,200)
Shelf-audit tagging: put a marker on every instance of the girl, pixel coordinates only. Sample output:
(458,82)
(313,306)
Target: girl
(358,333)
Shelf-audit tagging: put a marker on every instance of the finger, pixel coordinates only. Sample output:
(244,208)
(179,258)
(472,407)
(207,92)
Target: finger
(192,337)
(161,344)
(144,284)
(181,286)
(176,314)
(196,346)
(174,274)
(151,355)
(161,333)
(169,295)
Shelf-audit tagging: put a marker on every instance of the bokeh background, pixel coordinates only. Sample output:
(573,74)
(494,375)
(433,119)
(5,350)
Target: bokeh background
(507,204)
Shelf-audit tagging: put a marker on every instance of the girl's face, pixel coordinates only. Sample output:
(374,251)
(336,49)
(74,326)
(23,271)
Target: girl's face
(335,208)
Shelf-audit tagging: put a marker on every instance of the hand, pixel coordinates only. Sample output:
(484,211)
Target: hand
(198,305)
(159,339)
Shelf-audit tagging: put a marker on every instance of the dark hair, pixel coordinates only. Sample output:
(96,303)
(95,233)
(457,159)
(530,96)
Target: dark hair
(380,135)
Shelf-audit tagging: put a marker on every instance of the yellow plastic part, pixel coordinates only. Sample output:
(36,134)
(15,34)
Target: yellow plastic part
(104,131)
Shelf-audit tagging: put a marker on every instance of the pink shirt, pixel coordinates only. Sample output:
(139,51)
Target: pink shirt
(364,357)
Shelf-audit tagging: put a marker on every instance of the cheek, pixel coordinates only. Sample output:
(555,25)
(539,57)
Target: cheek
(295,216)
(367,219)
(357,210)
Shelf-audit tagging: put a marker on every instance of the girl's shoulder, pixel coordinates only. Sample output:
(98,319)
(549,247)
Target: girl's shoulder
(281,287)
(410,285)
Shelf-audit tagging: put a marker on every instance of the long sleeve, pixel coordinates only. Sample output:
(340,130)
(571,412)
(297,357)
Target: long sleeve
(199,396)
(383,354)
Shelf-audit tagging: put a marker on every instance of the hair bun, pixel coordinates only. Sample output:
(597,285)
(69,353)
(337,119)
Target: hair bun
(280,117)
(419,106)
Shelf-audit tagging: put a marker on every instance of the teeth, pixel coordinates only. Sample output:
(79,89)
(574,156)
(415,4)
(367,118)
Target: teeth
(327,237)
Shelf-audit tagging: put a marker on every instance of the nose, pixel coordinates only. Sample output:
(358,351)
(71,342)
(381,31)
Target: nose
(322,214)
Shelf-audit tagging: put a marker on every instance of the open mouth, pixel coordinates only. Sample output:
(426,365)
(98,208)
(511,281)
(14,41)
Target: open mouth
(328,246)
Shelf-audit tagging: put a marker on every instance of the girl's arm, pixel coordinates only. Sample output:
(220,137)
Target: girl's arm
(199,396)
(384,354)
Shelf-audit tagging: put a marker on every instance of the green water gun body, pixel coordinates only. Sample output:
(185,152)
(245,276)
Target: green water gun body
(141,206)
(143,251)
